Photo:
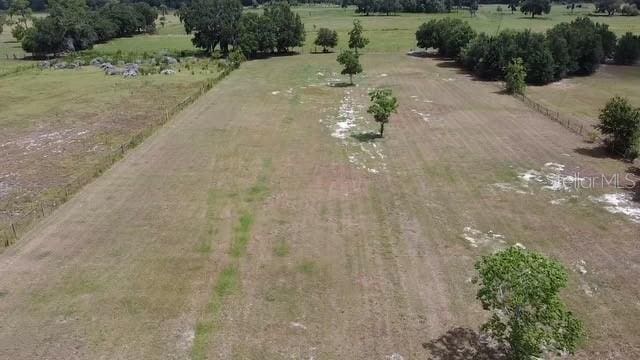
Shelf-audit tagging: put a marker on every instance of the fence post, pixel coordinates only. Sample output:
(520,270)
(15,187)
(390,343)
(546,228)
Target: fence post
(15,233)
(42,209)
(122,148)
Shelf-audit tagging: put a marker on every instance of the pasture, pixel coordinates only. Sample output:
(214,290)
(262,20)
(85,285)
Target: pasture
(262,222)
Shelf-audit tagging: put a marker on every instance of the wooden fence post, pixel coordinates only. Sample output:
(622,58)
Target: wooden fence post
(15,233)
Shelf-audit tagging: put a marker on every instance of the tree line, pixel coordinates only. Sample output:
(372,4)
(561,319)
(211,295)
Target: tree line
(72,26)
(576,48)
(222,24)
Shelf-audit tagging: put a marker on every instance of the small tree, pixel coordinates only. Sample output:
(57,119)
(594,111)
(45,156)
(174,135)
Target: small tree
(326,38)
(536,7)
(383,105)
(621,123)
(515,76)
(513,5)
(356,40)
(351,62)
(520,289)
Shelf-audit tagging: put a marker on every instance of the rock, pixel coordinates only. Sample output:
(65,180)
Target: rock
(170,60)
(60,65)
(168,72)
(105,66)
(131,70)
(113,71)
(44,64)
(96,61)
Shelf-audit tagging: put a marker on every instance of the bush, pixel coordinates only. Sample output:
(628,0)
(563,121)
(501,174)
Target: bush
(326,38)
(515,77)
(448,35)
(630,10)
(620,122)
(627,51)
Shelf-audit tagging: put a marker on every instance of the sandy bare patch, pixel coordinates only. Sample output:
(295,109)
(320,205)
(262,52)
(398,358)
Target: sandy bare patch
(478,238)
(551,178)
(346,125)
(620,203)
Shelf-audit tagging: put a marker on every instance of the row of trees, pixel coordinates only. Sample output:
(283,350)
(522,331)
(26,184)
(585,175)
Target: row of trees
(71,26)
(578,47)
(610,7)
(222,24)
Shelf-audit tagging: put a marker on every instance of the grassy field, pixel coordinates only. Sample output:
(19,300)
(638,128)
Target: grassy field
(60,126)
(262,229)
(583,97)
(263,223)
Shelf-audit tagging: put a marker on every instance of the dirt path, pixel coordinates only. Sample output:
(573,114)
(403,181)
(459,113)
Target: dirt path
(254,226)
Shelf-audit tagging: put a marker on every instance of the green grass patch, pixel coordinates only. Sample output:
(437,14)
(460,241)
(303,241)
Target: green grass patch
(226,284)
(307,267)
(242,235)
(281,249)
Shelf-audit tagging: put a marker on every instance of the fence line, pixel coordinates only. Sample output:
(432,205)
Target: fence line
(11,232)
(574,125)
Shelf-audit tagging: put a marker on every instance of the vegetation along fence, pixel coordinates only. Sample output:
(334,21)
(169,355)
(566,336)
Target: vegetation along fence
(18,226)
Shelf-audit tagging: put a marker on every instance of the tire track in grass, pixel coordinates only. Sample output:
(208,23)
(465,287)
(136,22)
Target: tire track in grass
(229,277)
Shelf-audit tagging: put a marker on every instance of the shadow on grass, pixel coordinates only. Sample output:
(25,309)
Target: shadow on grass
(341,84)
(599,151)
(463,344)
(634,171)
(366,136)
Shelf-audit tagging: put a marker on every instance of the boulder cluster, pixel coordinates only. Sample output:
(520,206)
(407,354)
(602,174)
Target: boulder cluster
(127,70)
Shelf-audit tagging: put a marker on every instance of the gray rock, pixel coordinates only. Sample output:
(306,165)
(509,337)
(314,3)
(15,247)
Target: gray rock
(168,72)
(131,70)
(170,60)
(96,61)
(44,64)
(60,65)
(113,71)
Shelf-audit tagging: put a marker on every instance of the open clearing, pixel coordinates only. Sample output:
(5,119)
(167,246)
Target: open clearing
(266,229)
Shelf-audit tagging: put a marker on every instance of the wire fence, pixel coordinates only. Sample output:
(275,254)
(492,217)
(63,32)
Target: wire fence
(12,230)
(581,127)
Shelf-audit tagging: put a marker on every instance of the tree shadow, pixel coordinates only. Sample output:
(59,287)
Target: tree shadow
(366,136)
(599,151)
(341,84)
(464,344)
(635,186)
(322,52)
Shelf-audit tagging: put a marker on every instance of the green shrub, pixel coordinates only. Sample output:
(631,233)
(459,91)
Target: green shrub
(620,122)
(628,49)
(448,35)
(515,77)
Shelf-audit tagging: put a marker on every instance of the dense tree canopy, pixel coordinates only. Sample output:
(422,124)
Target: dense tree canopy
(448,35)
(568,48)
(213,23)
(288,26)
(72,26)
(536,7)
(521,290)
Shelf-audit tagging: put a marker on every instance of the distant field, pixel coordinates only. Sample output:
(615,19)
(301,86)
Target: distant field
(387,33)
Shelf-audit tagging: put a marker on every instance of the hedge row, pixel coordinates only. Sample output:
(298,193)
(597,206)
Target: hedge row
(566,49)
